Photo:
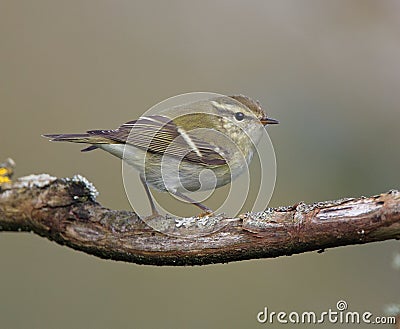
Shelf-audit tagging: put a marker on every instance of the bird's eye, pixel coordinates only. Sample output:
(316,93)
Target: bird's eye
(239,116)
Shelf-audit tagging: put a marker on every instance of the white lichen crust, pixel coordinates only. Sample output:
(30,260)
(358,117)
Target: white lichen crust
(91,188)
(40,181)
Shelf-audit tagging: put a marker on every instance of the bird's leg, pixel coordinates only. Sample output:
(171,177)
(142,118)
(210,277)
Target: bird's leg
(154,212)
(206,211)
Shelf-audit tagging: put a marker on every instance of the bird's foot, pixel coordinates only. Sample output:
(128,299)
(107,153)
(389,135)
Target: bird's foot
(206,213)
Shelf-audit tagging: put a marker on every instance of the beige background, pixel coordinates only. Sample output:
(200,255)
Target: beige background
(328,70)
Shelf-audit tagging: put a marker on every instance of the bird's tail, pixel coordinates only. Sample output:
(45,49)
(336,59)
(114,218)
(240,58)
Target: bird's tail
(79,138)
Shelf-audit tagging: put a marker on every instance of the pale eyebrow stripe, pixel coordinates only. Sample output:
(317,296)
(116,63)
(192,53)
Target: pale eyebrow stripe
(227,108)
(188,140)
(219,105)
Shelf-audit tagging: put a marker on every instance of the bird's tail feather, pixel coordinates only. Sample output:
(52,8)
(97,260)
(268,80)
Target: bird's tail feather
(79,138)
(75,138)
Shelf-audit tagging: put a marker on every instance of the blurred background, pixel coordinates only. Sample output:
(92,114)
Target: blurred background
(328,70)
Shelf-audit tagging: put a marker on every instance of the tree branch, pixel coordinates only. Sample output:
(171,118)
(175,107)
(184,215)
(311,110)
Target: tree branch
(65,211)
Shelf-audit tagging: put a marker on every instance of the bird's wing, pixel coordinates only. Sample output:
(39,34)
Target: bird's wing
(159,134)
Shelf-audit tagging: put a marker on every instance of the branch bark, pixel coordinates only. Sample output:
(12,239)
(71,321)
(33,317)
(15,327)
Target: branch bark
(66,211)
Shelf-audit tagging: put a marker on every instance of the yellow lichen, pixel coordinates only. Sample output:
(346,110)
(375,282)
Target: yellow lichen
(4,173)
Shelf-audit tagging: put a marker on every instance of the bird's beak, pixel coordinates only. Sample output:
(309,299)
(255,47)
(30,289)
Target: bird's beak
(269,121)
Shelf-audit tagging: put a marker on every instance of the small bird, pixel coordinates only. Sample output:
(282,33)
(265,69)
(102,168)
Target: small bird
(171,148)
